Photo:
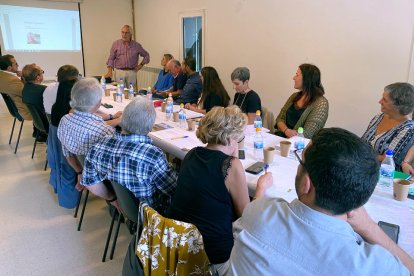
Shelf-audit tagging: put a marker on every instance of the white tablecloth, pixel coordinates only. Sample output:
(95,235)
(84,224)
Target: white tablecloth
(381,205)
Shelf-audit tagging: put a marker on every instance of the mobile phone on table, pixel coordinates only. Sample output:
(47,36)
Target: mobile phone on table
(241,154)
(392,230)
(256,168)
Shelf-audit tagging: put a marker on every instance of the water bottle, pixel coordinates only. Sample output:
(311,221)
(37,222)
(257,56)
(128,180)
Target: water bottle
(387,170)
(169,108)
(149,94)
(118,95)
(300,140)
(131,91)
(258,120)
(182,117)
(121,84)
(258,144)
(103,84)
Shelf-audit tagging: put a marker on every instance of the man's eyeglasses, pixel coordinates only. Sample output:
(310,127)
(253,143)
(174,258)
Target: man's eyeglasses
(298,154)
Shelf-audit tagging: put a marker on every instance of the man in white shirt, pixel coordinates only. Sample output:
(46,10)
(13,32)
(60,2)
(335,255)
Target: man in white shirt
(325,231)
(65,72)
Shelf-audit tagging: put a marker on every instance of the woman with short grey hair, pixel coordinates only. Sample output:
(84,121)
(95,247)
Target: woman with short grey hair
(211,187)
(393,128)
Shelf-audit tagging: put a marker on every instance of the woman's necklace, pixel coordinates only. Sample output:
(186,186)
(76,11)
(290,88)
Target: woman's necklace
(238,96)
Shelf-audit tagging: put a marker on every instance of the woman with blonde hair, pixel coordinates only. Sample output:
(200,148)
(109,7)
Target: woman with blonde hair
(211,187)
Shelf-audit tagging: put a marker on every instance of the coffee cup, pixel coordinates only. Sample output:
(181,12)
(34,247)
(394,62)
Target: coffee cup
(114,94)
(191,125)
(400,189)
(176,116)
(268,154)
(284,148)
(126,95)
(163,106)
(107,92)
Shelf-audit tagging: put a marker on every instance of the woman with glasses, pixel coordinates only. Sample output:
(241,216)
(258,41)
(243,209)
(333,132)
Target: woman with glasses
(211,187)
(307,108)
(213,93)
(393,128)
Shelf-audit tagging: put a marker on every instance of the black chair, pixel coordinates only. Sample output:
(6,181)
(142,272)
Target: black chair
(11,106)
(130,207)
(40,122)
(81,159)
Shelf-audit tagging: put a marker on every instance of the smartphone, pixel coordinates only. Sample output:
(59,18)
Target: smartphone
(241,154)
(392,230)
(256,168)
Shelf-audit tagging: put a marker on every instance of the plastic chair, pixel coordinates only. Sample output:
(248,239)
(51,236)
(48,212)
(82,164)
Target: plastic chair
(129,205)
(11,106)
(268,119)
(40,122)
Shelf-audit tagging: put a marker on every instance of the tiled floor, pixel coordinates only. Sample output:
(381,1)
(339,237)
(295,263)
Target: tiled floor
(37,237)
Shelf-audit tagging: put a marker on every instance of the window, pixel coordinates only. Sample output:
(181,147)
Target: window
(192,37)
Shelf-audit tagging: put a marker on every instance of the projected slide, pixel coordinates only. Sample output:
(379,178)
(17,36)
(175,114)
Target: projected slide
(39,29)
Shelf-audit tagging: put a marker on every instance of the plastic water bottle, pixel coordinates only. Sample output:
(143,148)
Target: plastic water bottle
(258,120)
(121,84)
(182,117)
(149,93)
(169,108)
(300,140)
(118,95)
(131,91)
(258,144)
(387,170)
(103,84)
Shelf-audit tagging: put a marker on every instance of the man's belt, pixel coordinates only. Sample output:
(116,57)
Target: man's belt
(125,69)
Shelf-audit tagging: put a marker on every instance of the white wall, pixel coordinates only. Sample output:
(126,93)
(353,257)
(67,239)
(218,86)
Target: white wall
(101,26)
(360,46)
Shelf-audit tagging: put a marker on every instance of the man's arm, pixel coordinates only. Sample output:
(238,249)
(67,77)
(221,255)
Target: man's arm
(111,60)
(372,233)
(77,167)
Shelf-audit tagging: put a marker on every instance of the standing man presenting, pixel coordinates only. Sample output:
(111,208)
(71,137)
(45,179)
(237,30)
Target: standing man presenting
(123,61)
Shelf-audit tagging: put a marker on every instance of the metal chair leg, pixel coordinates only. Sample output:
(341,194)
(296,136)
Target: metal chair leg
(115,237)
(18,137)
(83,209)
(46,164)
(35,143)
(77,205)
(108,238)
(11,134)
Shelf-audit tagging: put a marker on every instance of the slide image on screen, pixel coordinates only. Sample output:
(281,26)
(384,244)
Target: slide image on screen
(39,29)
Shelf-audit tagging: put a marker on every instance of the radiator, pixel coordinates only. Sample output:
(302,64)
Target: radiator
(147,76)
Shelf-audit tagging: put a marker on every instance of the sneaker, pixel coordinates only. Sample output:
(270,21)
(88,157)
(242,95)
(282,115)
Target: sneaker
(41,139)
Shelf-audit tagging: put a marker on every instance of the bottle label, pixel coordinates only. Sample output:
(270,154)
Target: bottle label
(387,171)
(299,145)
(257,124)
(181,116)
(258,145)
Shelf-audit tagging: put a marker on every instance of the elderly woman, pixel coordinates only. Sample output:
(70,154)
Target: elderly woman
(213,93)
(211,187)
(245,98)
(307,108)
(393,128)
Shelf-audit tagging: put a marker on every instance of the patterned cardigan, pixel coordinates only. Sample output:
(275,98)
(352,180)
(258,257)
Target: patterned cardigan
(312,119)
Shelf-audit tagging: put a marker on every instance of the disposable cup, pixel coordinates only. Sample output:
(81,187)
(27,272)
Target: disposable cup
(163,106)
(401,187)
(268,154)
(284,148)
(176,116)
(191,125)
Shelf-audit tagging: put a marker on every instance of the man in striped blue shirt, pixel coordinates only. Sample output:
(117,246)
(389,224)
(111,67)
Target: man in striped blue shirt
(130,159)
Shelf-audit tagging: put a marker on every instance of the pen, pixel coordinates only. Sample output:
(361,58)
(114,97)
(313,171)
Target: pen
(266,167)
(179,137)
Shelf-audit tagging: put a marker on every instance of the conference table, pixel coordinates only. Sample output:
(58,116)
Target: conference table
(177,141)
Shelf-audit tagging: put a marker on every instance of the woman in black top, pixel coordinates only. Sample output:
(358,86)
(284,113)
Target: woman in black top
(213,93)
(211,187)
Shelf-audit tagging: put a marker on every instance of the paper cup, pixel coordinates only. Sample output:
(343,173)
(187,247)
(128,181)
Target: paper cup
(126,95)
(268,155)
(176,116)
(107,92)
(114,94)
(284,148)
(163,106)
(401,187)
(191,125)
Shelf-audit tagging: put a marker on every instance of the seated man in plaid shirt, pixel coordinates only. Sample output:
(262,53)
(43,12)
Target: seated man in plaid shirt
(79,130)
(130,159)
